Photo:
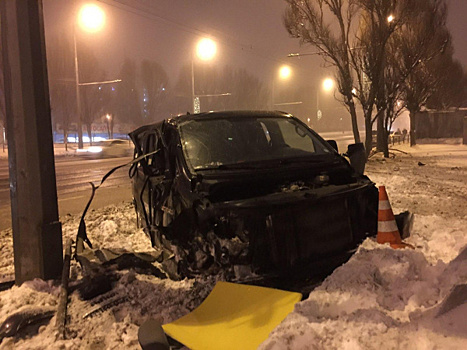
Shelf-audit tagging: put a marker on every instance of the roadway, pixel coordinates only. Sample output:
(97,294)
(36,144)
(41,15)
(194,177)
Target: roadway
(342,138)
(73,175)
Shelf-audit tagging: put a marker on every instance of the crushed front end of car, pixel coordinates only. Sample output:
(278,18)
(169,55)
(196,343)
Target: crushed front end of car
(248,193)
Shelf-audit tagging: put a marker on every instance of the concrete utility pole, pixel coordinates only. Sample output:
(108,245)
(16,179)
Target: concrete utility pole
(37,234)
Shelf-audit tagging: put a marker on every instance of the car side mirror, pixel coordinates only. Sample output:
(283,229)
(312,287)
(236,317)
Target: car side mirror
(333,144)
(357,156)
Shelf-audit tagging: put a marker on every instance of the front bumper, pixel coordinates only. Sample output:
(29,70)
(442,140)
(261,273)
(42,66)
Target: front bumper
(295,230)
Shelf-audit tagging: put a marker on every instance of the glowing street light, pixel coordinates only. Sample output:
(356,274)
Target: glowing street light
(206,49)
(91,18)
(285,72)
(390,18)
(328,84)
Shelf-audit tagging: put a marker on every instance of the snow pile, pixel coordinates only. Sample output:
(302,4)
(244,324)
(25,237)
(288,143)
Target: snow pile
(380,299)
(385,298)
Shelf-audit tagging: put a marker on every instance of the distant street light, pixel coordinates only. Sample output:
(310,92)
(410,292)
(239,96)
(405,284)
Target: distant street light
(285,72)
(390,18)
(205,50)
(91,18)
(328,85)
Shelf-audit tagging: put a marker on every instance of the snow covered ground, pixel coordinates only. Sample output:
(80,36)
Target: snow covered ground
(380,299)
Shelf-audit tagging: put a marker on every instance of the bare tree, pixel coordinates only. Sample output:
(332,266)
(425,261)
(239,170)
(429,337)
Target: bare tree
(126,101)
(94,96)
(330,26)
(224,89)
(155,85)
(247,91)
(96,99)
(412,51)
(376,87)
(366,41)
(181,94)
(62,84)
(450,83)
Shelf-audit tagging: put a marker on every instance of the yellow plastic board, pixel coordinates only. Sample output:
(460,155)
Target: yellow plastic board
(233,316)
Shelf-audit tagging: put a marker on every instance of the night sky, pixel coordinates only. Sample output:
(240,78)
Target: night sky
(457,23)
(249,33)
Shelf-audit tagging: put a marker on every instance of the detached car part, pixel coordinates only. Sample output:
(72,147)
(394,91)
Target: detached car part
(248,192)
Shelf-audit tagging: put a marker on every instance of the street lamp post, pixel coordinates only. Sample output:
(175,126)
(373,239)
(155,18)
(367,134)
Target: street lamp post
(92,19)
(108,118)
(205,50)
(195,100)
(328,85)
(78,97)
(284,73)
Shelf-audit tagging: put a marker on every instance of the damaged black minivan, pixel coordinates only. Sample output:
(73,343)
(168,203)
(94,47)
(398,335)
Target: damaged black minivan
(248,193)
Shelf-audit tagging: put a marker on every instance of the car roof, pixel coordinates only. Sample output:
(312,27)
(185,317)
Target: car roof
(174,121)
(231,114)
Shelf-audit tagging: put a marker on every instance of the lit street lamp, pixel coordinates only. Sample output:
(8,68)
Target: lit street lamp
(328,85)
(205,50)
(284,74)
(91,19)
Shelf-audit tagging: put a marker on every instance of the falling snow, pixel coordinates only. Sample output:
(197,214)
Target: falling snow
(380,299)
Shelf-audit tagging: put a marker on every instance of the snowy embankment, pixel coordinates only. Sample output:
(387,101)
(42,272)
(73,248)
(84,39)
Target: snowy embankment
(398,299)
(381,299)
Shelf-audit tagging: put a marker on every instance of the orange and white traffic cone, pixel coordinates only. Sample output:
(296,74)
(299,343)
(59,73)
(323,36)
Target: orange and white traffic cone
(387,227)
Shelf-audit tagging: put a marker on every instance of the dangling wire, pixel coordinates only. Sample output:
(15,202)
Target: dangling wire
(82,235)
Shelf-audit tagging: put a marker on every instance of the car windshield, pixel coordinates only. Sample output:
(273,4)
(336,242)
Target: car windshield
(214,143)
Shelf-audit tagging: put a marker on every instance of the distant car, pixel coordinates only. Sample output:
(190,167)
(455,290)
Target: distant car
(248,192)
(107,149)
